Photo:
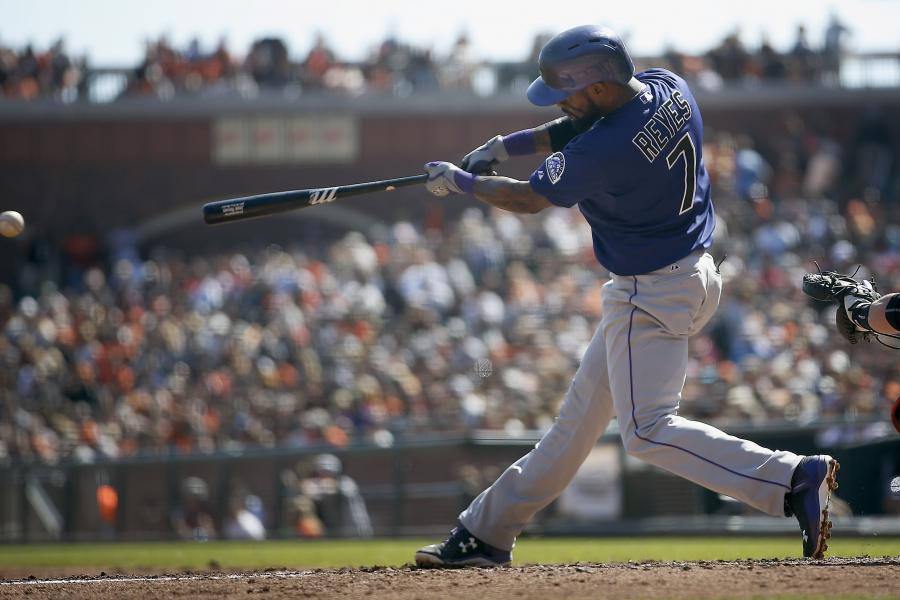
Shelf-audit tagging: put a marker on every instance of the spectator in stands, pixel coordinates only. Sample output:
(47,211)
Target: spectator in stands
(804,61)
(730,60)
(457,71)
(193,520)
(245,519)
(268,62)
(833,49)
(334,497)
(752,173)
(318,62)
(772,64)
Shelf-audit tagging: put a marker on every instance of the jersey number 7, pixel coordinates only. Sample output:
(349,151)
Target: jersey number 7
(685,147)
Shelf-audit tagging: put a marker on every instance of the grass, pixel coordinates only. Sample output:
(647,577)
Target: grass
(169,556)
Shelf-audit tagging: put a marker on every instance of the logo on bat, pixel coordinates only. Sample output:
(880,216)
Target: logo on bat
(322,196)
(233,209)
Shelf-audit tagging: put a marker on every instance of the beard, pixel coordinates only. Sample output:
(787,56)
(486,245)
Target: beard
(585,120)
(582,124)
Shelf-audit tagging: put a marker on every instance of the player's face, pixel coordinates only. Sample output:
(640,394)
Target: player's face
(582,108)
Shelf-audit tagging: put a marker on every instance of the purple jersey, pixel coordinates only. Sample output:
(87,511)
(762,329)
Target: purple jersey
(638,177)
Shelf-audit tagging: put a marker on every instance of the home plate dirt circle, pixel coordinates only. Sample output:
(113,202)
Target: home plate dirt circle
(859,577)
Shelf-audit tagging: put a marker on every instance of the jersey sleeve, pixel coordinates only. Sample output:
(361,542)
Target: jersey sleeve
(566,178)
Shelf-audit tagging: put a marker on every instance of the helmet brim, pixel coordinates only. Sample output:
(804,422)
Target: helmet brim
(541,94)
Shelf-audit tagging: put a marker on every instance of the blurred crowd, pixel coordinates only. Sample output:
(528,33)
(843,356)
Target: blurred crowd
(393,67)
(52,73)
(732,61)
(318,500)
(479,323)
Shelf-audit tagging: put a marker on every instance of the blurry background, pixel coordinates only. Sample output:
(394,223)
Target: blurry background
(367,367)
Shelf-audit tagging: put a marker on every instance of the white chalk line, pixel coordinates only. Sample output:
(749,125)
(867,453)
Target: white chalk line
(114,579)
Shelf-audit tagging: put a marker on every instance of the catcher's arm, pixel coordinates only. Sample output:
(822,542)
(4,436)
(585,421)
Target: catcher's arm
(883,314)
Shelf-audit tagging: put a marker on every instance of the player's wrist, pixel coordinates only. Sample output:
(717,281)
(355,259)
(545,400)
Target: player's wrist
(464,180)
(518,143)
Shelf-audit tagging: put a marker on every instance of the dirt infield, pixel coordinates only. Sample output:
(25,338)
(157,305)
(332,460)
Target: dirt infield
(856,577)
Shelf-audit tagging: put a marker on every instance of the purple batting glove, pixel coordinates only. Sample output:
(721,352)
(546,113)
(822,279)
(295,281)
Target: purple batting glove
(446,178)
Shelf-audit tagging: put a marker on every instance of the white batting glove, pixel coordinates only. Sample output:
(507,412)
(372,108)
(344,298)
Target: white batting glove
(446,178)
(484,158)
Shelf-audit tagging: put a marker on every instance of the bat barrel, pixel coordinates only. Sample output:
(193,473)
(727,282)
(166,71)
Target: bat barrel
(248,207)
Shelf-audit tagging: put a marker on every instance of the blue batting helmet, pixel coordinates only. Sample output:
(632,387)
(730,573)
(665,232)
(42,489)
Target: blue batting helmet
(576,58)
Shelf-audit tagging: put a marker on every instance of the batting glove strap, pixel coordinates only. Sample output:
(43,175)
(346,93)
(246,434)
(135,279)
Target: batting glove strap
(464,181)
(446,178)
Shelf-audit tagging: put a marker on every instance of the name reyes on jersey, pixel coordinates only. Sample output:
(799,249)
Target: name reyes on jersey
(662,126)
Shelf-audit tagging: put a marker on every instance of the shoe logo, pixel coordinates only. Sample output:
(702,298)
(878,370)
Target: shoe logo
(471,545)
(805,537)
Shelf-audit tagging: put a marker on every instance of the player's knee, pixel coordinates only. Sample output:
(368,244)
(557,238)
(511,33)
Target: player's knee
(639,441)
(634,443)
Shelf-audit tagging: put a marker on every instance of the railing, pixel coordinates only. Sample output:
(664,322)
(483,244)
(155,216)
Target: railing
(418,486)
(108,84)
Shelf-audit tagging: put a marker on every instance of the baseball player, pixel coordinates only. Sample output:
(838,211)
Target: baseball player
(629,154)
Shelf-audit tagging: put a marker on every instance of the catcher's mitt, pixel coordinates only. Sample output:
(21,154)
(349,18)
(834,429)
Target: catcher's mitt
(828,286)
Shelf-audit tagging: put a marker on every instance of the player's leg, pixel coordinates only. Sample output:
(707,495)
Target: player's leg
(647,320)
(497,516)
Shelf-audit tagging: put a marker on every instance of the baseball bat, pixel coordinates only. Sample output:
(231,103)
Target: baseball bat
(249,207)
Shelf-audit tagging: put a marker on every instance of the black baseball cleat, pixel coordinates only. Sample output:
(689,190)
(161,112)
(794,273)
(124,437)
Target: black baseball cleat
(814,479)
(462,549)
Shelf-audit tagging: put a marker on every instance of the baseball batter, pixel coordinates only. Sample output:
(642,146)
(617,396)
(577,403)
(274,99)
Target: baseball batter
(629,154)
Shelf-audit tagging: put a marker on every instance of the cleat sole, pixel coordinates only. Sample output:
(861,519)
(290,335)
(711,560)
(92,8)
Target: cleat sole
(426,560)
(826,524)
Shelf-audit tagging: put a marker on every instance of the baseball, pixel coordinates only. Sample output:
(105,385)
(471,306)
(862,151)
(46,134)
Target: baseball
(11,223)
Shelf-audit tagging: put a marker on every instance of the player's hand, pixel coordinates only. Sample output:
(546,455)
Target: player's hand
(483,159)
(446,178)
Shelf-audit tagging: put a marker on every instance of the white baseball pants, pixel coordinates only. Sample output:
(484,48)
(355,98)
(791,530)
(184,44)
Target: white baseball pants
(636,365)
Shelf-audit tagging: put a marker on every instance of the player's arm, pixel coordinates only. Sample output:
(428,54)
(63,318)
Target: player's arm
(509,194)
(502,192)
(553,136)
(543,139)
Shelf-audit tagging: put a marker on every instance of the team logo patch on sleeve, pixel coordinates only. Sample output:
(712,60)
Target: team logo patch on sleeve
(555,164)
